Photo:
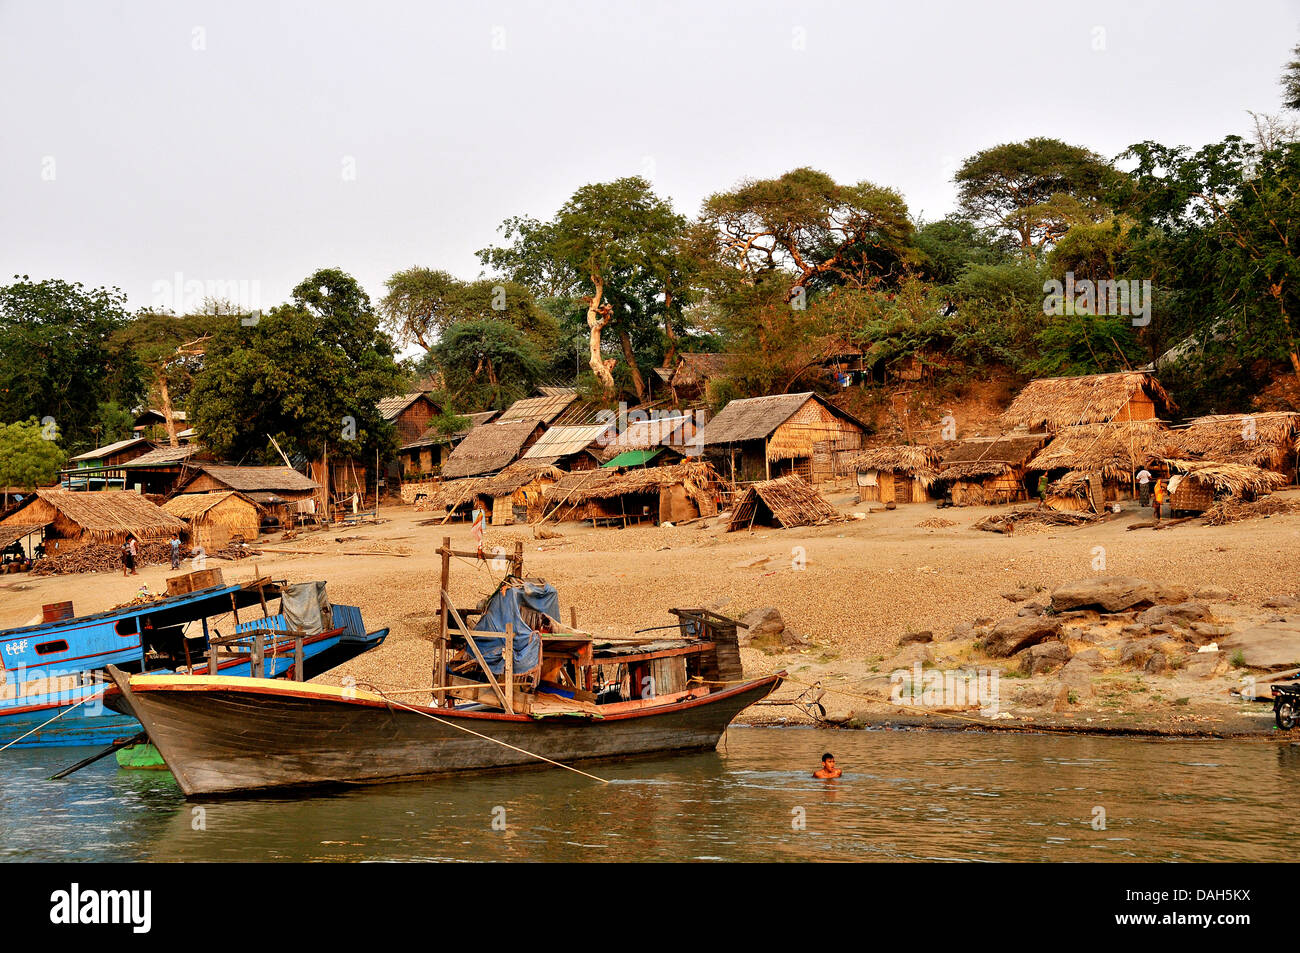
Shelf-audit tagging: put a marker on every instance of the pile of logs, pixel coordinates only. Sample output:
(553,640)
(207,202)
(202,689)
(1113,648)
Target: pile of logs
(1007,522)
(96,557)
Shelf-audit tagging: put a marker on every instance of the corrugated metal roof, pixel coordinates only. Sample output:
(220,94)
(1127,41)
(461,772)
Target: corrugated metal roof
(390,408)
(545,409)
(105,451)
(164,456)
(562,441)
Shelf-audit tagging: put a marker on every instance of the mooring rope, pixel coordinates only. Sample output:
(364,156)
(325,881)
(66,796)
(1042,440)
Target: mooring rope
(50,722)
(504,744)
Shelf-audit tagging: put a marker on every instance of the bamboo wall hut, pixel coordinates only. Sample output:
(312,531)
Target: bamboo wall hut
(1200,484)
(1052,403)
(72,519)
(1266,440)
(761,437)
(518,493)
(989,470)
(217,519)
(895,474)
(491,448)
(1089,465)
(653,494)
(785,502)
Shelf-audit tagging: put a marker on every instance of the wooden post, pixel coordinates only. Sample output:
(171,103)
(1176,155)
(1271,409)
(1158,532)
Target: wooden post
(440,649)
(517,561)
(256,669)
(508,654)
(297,658)
(212,650)
(573,617)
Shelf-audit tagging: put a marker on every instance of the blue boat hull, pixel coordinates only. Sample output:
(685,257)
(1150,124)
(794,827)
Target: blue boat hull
(85,720)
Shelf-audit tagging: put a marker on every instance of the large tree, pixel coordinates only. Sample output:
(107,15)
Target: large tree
(56,359)
(309,373)
(170,349)
(613,248)
(487,364)
(1033,191)
(29,457)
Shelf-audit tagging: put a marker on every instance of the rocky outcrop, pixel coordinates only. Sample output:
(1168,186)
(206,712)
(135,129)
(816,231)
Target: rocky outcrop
(1011,635)
(1044,657)
(1274,645)
(1180,613)
(1108,593)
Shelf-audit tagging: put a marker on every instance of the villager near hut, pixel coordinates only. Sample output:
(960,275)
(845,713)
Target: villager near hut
(896,474)
(1052,403)
(217,519)
(989,470)
(1090,465)
(72,520)
(761,437)
(785,502)
(669,494)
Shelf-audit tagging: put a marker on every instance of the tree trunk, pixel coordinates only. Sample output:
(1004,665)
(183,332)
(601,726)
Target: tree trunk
(167,408)
(668,328)
(597,317)
(637,381)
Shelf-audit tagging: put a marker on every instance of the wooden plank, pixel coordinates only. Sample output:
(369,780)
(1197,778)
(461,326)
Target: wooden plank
(487,672)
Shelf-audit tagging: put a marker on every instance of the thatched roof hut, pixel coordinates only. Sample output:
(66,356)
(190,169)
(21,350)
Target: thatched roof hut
(517,493)
(661,494)
(107,516)
(786,502)
(983,470)
(1201,483)
(216,518)
(1051,403)
(783,433)
(1115,450)
(672,434)
(491,447)
(902,473)
(1260,440)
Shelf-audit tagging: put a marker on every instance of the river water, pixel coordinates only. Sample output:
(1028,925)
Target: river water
(905,795)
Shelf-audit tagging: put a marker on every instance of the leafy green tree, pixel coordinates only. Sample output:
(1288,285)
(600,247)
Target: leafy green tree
(612,247)
(28,458)
(1291,81)
(951,244)
(487,363)
(1079,343)
(1033,191)
(170,350)
(55,357)
(309,373)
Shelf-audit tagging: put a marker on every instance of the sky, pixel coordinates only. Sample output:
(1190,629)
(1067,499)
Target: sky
(176,149)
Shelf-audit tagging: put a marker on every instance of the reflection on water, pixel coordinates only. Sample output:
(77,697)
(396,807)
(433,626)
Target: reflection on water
(905,795)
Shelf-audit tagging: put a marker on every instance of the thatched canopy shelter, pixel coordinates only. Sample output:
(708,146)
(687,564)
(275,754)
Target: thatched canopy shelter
(902,473)
(1260,440)
(491,448)
(108,516)
(1115,450)
(982,470)
(217,518)
(662,494)
(786,502)
(782,433)
(1203,482)
(1051,403)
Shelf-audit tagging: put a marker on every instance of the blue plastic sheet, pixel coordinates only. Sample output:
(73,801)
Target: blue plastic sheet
(503,610)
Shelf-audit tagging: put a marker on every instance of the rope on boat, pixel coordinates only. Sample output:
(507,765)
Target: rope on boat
(50,722)
(504,744)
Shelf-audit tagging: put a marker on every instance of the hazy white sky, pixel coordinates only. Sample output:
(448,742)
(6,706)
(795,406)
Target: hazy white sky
(253,142)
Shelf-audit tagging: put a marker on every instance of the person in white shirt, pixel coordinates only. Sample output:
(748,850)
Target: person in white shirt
(1144,486)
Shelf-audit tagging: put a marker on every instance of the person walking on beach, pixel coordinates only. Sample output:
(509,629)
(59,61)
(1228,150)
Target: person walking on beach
(176,551)
(1042,490)
(828,769)
(1158,498)
(128,556)
(1144,486)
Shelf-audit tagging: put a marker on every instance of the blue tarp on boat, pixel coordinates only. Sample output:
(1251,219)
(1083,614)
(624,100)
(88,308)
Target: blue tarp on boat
(502,610)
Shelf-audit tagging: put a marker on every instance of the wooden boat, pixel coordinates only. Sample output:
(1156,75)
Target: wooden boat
(583,699)
(52,686)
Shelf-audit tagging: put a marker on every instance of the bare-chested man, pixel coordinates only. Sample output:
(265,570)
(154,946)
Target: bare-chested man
(828,769)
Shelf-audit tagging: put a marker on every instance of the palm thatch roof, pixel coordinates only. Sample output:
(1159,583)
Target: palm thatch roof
(756,418)
(1115,450)
(647,434)
(692,370)
(192,506)
(390,408)
(1261,440)
(695,475)
(165,456)
(10,533)
(918,461)
(787,501)
(489,448)
(515,476)
(978,457)
(1237,479)
(1056,402)
(104,515)
(258,479)
(560,442)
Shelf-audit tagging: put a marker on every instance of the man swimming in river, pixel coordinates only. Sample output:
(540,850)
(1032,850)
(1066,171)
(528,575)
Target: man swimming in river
(828,769)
